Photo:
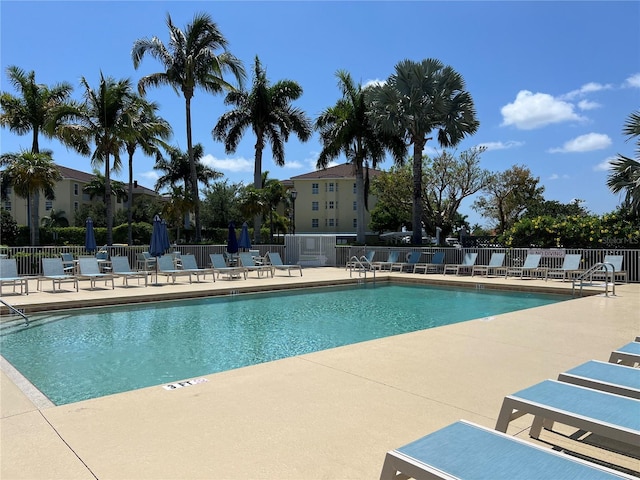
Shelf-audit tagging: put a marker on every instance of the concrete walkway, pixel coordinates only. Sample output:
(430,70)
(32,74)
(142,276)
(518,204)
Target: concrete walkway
(326,415)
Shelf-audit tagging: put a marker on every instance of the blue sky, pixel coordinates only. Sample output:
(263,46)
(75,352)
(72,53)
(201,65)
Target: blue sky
(553,82)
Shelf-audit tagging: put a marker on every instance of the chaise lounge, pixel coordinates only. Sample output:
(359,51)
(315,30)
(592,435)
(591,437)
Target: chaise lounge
(9,276)
(468,262)
(274,259)
(628,354)
(608,377)
(496,265)
(121,268)
(53,269)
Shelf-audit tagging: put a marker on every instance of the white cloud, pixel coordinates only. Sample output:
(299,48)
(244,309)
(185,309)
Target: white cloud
(604,166)
(150,175)
(584,143)
(228,164)
(555,176)
(293,164)
(633,81)
(374,83)
(585,89)
(588,105)
(536,110)
(501,145)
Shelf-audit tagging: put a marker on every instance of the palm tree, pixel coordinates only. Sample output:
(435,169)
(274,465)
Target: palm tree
(104,120)
(177,173)
(268,111)
(347,128)
(190,61)
(29,112)
(97,186)
(31,173)
(417,99)
(625,171)
(56,218)
(274,194)
(148,132)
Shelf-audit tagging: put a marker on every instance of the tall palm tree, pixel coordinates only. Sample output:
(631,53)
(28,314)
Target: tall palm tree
(97,186)
(31,173)
(625,171)
(268,111)
(347,128)
(104,120)
(417,99)
(190,61)
(148,132)
(29,112)
(177,173)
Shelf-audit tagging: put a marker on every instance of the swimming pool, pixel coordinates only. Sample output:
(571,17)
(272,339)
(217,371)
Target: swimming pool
(83,354)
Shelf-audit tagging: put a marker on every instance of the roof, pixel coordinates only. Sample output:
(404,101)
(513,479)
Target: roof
(73,174)
(339,171)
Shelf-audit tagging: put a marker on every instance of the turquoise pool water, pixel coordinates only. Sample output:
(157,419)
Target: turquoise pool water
(83,354)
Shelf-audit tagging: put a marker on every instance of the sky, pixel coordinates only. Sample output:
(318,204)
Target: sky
(552,82)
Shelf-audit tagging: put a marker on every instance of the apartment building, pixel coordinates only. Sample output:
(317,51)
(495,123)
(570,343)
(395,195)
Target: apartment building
(326,200)
(69,197)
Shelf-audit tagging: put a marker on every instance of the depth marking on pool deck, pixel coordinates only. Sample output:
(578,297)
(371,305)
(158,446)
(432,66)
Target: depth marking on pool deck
(186,383)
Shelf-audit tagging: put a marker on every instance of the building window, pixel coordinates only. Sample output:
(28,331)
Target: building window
(355,223)
(331,222)
(355,206)
(76,189)
(7,190)
(354,188)
(48,205)
(75,206)
(331,187)
(7,206)
(315,206)
(331,205)
(314,223)
(315,188)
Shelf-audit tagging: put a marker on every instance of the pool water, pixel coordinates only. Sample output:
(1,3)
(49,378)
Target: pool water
(89,353)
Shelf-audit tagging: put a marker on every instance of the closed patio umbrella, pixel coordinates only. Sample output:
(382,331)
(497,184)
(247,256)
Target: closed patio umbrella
(232,240)
(245,241)
(157,245)
(90,237)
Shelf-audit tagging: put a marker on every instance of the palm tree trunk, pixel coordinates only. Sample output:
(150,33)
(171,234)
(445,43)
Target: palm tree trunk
(194,174)
(257,184)
(34,201)
(107,199)
(416,217)
(130,202)
(360,227)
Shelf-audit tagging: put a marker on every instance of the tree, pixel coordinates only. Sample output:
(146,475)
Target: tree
(98,185)
(31,173)
(508,195)
(268,111)
(347,128)
(56,218)
(8,228)
(104,120)
(148,131)
(625,171)
(220,205)
(274,193)
(393,191)
(30,112)
(553,208)
(190,61)
(417,99)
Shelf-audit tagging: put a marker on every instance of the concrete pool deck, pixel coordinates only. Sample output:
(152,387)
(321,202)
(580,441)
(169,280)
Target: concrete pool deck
(325,415)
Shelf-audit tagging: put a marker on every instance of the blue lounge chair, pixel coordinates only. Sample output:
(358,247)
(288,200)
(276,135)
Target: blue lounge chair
(189,264)
(628,354)
(386,265)
(274,259)
(363,262)
(121,268)
(146,261)
(167,267)
(608,377)
(469,451)
(531,265)
(570,266)
(69,264)
(9,276)
(611,262)
(90,270)
(434,266)
(605,414)
(219,266)
(468,262)
(246,260)
(53,269)
(496,265)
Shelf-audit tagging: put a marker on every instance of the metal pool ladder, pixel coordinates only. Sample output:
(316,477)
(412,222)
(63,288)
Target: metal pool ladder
(609,273)
(16,311)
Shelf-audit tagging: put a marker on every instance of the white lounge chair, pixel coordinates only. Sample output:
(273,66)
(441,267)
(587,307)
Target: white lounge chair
(468,262)
(611,416)
(628,354)
(90,270)
(496,265)
(246,260)
(530,267)
(464,450)
(9,276)
(570,266)
(274,259)
(219,266)
(386,265)
(434,266)
(121,268)
(189,264)
(167,267)
(612,262)
(53,269)
(363,262)
(608,377)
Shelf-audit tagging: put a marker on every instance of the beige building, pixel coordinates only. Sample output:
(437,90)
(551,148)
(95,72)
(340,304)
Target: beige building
(326,201)
(69,197)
